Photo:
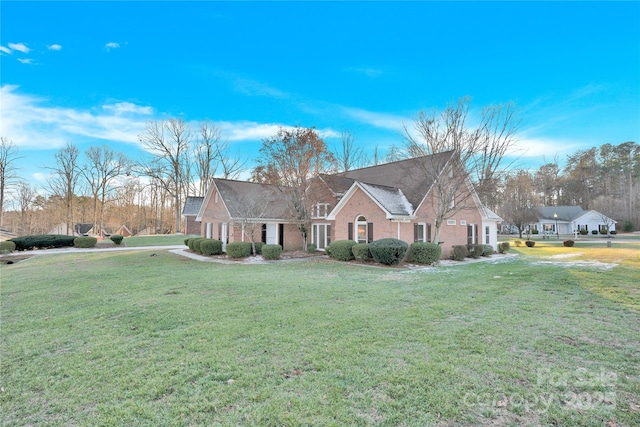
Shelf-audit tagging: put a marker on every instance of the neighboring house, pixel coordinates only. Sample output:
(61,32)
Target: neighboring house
(6,234)
(190,212)
(78,229)
(570,220)
(390,200)
(124,231)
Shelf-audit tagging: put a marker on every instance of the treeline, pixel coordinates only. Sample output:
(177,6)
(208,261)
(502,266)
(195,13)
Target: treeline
(108,190)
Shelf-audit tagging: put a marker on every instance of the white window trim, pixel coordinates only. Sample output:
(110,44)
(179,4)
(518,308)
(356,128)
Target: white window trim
(463,222)
(451,222)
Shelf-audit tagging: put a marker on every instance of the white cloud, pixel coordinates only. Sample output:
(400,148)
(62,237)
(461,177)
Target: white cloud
(381,120)
(26,60)
(21,47)
(367,71)
(54,47)
(5,50)
(29,122)
(112,45)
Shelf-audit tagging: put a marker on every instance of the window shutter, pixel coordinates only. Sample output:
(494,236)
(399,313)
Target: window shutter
(350,231)
(428,232)
(415,232)
(369,232)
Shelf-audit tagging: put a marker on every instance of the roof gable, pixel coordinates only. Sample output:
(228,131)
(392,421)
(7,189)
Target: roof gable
(391,200)
(192,205)
(564,213)
(236,196)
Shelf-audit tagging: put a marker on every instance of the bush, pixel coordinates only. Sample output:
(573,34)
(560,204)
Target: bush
(361,252)
(341,250)
(388,251)
(186,241)
(584,232)
(424,252)
(594,232)
(311,247)
(504,247)
(627,227)
(459,253)
(603,231)
(239,249)
(530,243)
(43,241)
(568,243)
(487,250)
(259,246)
(116,238)
(271,251)
(475,251)
(7,247)
(517,243)
(535,231)
(210,247)
(614,232)
(85,242)
(194,244)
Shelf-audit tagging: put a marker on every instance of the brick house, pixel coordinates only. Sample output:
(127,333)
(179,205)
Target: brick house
(189,212)
(394,200)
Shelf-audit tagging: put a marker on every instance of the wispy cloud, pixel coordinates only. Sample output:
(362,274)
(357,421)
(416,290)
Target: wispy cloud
(54,47)
(111,45)
(381,120)
(367,71)
(20,47)
(30,122)
(26,60)
(5,49)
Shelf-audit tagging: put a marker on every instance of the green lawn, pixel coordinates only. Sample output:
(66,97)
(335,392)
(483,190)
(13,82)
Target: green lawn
(124,338)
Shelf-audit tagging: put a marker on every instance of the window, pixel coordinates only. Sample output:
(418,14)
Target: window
(320,210)
(487,235)
(452,198)
(215,198)
(321,235)
(451,222)
(421,232)
(362,230)
(463,222)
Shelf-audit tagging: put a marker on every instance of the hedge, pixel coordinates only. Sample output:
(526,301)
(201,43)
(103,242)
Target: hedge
(44,241)
(361,251)
(487,250)
(116,238)
(424,252)
(85,242)
(194,244)
(239,249)
(503,247)
(259,246)
(341,250)
(475,251)
(388,251)
(7,247)
(271,251)
(210,247)
(460,252)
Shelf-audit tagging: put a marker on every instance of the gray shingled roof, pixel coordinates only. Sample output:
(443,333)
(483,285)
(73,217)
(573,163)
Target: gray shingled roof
(192,205)
(390,198)
(565,213)
(237,195)
(413,177)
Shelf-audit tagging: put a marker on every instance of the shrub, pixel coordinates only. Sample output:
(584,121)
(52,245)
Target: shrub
(341,250)
(530,243)
(44,241)
(361,252)
(487,250)
(568,243)
(503,247)
(594,232)
(424,252)
(85,242)
(239,249)
(475,251)
(613,232)
(388,251)
(192,243)
(210,247)
(584,232)
(627,227)
(259,246)
(116,238)
(518,243)
(535,231)
(271,251)
(7,247)
(459,253)
(311,247)
(603,231)
(186,241)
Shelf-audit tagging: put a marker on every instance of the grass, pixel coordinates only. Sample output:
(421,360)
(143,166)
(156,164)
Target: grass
(128,339)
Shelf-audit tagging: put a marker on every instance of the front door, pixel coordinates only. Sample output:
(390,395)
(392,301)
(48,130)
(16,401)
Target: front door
(272,234)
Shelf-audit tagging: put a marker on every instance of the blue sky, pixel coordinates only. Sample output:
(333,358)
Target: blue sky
(94,72)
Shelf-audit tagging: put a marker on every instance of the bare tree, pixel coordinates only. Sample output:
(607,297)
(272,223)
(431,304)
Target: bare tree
(102,167)
(473,153)
(291,158)
(518,200)
(64,180)
(251,209)
(348,155)
(8,175)
(168,142)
